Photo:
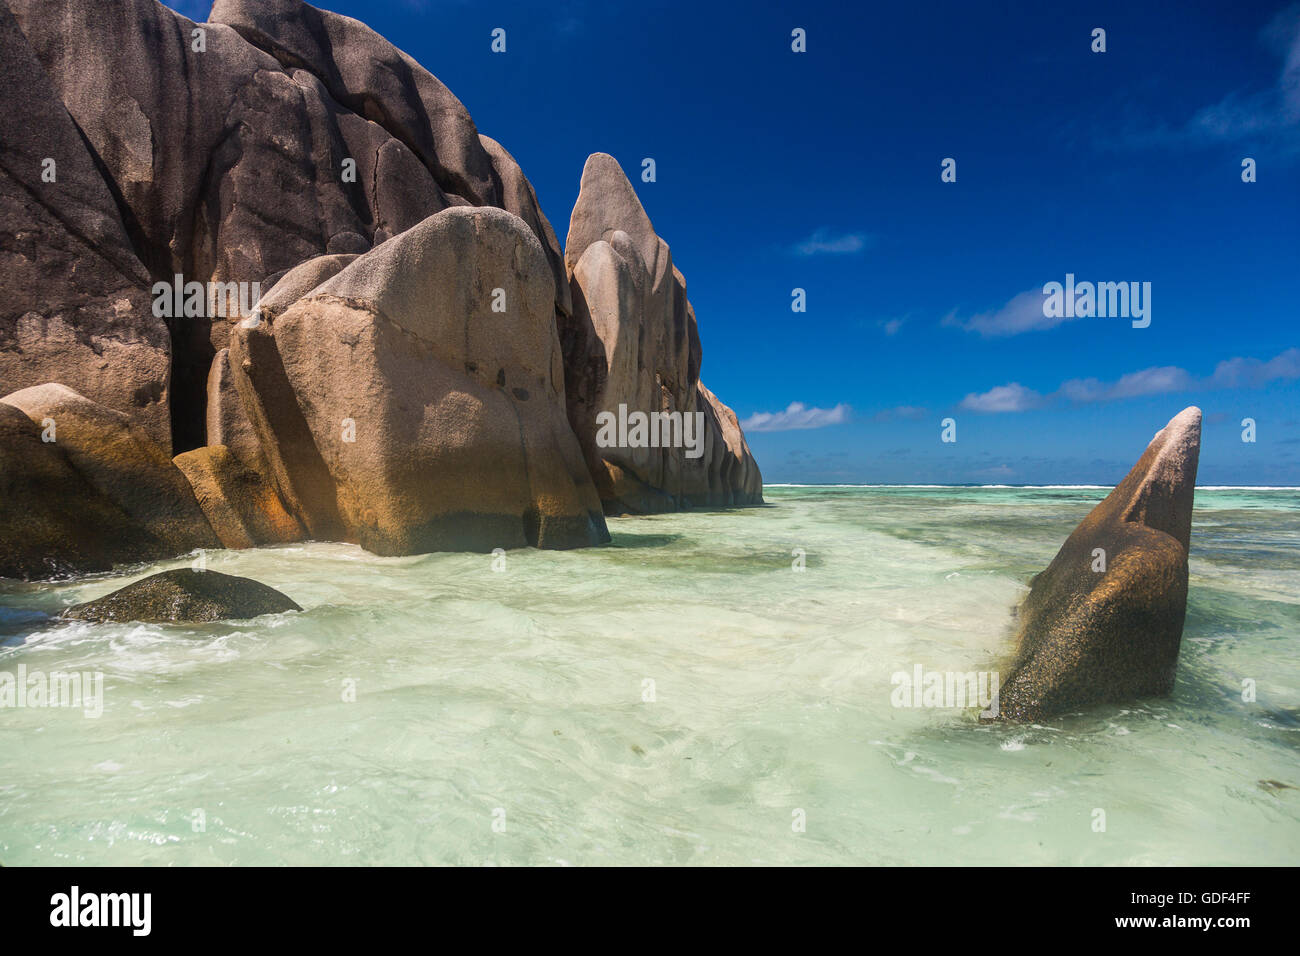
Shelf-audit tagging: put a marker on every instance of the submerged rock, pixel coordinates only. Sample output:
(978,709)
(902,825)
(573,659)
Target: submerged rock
(1104,622)
(184,596)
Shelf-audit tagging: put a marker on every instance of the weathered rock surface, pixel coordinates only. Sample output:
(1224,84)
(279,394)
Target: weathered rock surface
(239,502)
(415,400)
(76,297)
(227,422)
(224,164)
(121,463)
(184,596)
(52,521)
(220,153)
(1089,636)
(632,341)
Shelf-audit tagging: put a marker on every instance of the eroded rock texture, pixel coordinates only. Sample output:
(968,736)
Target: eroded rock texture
(632,341)
(1090,636)
(222,165)
(184,596)
(300,154)
(414,401)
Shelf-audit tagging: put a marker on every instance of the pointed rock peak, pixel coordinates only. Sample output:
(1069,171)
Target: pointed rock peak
(608,203)
(1158,492)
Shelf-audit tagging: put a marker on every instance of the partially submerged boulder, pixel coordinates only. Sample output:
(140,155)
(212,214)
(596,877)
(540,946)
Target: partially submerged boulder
(53,521)
(297,140)
(1104,622)
(414,401)
(121,462)
(184,596)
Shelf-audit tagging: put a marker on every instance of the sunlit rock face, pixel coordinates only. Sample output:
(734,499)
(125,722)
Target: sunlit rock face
(654,437)
(1104,622)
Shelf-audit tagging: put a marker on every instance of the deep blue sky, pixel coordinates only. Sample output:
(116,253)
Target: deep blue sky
(821,170)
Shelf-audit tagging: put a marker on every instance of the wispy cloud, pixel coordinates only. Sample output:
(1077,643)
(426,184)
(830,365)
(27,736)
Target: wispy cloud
(1238,116)
(796,416)
(1158,380)
(1024,313)
(902,412)
(824,242)
(1004,398)
(1148,381)
(1253,373)
(1272,113)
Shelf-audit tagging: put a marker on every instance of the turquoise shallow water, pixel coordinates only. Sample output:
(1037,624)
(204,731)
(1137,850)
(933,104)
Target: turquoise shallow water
(505,717)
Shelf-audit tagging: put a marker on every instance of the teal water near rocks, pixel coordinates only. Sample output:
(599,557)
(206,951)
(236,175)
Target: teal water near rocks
(681,696)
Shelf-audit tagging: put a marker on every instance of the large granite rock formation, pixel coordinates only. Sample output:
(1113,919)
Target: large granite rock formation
(221,164)
(224,152)
(76,304)
(1090,636)
(632,346)
(414,401)
(184,596)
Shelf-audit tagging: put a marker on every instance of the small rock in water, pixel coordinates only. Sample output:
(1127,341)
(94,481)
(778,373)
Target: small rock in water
(184,596)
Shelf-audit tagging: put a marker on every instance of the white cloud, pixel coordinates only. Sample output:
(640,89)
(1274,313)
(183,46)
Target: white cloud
(822,242)
(1272,113)
(1238,372)
(1024,313)
(907,412)
(1148,381)
(1158,380)
(1004,398)
(796,416)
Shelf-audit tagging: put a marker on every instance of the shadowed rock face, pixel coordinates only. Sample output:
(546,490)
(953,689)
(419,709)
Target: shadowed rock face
(224,165)
(1091,636)
(184,596)
(76,304)
(52,520)
(632,341)
(120,462)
